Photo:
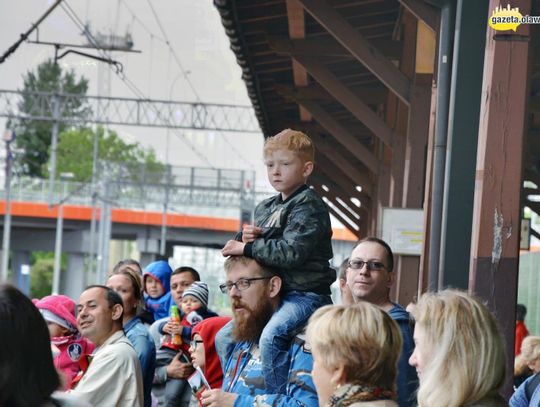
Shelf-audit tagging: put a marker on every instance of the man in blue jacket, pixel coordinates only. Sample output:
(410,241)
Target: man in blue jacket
(370,276)
(254,292)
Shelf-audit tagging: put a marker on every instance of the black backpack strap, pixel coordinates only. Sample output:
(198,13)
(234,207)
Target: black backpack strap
(532,385)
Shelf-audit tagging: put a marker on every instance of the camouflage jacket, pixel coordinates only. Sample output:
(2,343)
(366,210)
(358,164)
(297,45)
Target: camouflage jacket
(296,239)
(244,377)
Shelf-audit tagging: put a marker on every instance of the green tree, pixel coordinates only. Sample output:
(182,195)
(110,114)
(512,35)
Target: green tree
(41,274)
(34,137)
(75,155)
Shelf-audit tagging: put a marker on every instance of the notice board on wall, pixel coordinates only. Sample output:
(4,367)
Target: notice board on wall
(402,229)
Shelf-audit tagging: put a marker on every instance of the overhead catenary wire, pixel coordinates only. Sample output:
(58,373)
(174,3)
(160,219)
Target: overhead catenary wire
(130,84)
(190,83)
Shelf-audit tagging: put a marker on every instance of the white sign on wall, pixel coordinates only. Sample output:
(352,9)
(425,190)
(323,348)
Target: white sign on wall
(402,229)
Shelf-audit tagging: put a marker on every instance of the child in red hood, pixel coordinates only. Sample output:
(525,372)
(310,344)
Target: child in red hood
(203,350)
(59,313)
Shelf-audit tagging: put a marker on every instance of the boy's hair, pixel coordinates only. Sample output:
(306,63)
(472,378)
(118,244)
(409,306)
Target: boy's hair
(292,140)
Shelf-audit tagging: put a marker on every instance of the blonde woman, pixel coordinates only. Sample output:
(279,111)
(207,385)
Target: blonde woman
(126,281)
(528,394)
(459,354)
(355,353)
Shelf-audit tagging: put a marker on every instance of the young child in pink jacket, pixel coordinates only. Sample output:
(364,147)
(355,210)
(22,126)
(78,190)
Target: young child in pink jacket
(59,313)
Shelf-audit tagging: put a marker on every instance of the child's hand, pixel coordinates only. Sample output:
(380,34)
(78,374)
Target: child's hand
(250,233)
(233,248)
(172,328)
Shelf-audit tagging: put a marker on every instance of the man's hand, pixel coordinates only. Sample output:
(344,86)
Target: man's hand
(250,233)
(217,398)
(172,328)
(179,370)
(233,248)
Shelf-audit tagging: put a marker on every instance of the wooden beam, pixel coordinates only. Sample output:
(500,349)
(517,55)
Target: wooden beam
(497,209)
(329,47)
(360,47)
(423,11)
(347,98)
(359,130)
(334,175)
(329,158)
(344,217)
(535,233)
(342,135)
(338,191)
(297,30)
(345,184)
(340,202)
(370,94)
(532,176)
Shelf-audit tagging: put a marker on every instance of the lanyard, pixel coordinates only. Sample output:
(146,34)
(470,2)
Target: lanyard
(236,374)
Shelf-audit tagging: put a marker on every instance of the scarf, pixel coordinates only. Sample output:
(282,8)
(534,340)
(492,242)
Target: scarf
(352,393)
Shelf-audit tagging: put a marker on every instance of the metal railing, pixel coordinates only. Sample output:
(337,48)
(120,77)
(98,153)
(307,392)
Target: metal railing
(127,111)
(176,186)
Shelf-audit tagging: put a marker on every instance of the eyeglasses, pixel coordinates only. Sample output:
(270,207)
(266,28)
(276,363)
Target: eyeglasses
(194,342)
(371,265)
(240,285)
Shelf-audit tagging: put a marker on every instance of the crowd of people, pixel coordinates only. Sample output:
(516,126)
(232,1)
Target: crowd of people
(147,337)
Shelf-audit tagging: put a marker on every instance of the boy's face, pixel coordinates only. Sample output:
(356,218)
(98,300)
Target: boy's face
(196,350)
(190,303)
(286,171)
(153,288)
(56,330)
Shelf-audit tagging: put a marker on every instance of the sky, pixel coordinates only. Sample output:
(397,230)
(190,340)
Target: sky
(195,65)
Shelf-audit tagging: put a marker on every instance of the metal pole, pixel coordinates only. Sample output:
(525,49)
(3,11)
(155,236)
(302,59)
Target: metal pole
(54,147)
(101,233)
(7,217)
(162,243)
(58,242)
(107,220)
(94,202)
(444,72)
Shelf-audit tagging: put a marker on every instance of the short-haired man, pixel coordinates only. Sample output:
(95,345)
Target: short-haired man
(370,276)
(181,279)
(254,292)
(345,291)
(113,377)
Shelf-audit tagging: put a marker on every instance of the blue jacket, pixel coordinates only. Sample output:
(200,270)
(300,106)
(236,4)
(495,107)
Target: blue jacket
(243,376)
(519,398)
(161,271)
(407,380)
(143,343)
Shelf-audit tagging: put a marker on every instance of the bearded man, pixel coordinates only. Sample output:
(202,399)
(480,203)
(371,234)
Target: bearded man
(254,292)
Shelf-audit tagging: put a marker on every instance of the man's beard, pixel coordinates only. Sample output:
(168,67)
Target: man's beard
(249,325)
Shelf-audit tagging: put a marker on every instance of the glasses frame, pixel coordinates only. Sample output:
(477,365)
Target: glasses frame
(193,343)
(370,265)
(227,287)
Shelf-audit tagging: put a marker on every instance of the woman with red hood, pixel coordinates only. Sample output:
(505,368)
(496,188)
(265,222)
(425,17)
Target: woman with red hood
(203,350)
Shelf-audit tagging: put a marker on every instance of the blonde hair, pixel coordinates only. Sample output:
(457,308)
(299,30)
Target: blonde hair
(467,354)
(291,140)
(530,349)
(134,277)
(362,338)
